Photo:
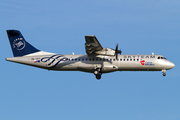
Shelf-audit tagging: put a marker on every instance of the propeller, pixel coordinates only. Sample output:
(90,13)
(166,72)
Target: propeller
(117,52)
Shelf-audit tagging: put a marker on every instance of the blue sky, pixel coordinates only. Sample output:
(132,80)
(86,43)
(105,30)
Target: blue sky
(138,26)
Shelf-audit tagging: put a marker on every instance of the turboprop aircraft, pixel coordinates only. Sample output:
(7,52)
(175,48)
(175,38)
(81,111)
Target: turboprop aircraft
(98,60)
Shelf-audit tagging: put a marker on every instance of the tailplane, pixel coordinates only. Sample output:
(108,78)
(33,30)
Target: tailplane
(19,45)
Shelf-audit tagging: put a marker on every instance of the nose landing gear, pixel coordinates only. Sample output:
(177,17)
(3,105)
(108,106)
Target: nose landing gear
(98,73)
(164,72)
(98,76)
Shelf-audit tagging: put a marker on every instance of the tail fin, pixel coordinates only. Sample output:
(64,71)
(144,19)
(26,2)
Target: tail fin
(19,45)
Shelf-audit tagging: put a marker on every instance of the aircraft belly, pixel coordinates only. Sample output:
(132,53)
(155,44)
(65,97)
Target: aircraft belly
(76,66)
(109,67)
(86,67)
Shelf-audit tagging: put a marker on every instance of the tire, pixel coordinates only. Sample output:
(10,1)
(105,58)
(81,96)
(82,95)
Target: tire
(164,74)
(98,77)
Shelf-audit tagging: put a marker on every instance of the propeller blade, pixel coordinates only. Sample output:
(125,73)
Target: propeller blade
(117,52)
(116,48)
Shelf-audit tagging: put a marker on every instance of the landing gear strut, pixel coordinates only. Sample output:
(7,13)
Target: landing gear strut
(164,72)
(98,73)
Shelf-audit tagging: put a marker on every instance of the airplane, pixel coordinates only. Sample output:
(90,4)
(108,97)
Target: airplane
(98,60)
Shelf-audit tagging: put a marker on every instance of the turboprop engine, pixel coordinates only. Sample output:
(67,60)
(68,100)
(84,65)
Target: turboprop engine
(106,51)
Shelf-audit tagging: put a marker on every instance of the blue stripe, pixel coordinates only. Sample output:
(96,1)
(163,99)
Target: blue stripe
(46,59)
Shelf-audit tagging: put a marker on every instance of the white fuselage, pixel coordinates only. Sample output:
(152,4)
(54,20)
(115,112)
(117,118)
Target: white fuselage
(87,63)
(97,60)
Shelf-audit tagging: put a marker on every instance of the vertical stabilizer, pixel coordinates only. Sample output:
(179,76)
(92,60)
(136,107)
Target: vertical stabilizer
(19,45)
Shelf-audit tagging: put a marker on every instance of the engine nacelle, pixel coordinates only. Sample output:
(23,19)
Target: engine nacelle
(106,51)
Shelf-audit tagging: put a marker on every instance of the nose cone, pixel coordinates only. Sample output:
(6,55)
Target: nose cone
(170,65)
(166,64)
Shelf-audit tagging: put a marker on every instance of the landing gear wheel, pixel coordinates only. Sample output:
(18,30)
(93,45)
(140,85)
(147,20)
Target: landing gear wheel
(98,76)
(98,73)
(164,74)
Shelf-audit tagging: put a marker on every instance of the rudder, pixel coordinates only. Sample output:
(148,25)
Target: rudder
(19,45)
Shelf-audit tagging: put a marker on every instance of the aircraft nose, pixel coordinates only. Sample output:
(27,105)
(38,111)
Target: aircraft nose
(167,64)
(172,65)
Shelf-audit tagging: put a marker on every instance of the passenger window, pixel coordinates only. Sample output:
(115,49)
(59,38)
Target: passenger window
(134,59)
(127,59)
(124,59)
(137,59)
(120,59)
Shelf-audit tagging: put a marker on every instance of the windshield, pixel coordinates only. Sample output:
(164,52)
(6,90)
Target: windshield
(162,58)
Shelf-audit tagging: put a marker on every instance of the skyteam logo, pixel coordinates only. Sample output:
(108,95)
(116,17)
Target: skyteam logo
(143,62)
(54,60)
(19,44)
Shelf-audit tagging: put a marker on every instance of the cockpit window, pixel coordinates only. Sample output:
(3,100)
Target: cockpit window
(162,58)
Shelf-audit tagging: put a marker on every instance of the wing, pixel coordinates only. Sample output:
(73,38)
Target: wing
(92,45)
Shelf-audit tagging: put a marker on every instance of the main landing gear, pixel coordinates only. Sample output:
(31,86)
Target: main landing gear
(98,73)
(164,72)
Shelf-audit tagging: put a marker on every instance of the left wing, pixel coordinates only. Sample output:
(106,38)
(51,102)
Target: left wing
(92,45)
